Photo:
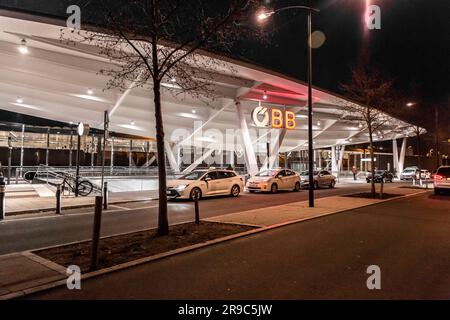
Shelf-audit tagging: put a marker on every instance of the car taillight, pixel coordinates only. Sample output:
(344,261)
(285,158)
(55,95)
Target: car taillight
(438,177)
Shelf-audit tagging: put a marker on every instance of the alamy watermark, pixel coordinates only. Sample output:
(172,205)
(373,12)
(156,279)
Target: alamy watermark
(374,280)
(373,17)
(74,19)
(74,277)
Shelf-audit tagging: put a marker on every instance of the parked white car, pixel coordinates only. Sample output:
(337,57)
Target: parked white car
(322,178)
(442,179)
(274,180)
(205,183)
(409,173)
(424,174)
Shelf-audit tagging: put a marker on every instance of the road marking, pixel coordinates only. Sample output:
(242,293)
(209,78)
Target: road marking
(119,209)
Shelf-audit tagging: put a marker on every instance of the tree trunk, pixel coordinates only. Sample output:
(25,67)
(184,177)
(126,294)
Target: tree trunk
(163,222)
(372,164)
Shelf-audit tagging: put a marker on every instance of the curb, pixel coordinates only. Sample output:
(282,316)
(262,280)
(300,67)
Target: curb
(70,207)
(171,253)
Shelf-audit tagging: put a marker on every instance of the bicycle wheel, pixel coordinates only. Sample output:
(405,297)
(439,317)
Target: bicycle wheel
(84,188)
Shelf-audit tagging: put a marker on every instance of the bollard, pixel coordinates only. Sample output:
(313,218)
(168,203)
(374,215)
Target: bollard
(96,233)
(197,213)
(2,198)
(105,195)
(58,199)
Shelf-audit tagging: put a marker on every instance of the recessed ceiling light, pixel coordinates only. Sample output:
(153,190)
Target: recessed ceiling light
(194,111)
(23,49)
(19,100)
(132,122)
(265,96)
(173,80)
(318,123)
(90,91)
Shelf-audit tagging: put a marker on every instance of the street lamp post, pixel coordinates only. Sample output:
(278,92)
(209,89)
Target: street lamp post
(265,15)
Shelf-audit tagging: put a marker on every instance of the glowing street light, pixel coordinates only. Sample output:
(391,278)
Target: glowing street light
(410,104)
(264,15)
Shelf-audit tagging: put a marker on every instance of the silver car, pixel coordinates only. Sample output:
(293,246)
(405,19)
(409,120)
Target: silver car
(322,178)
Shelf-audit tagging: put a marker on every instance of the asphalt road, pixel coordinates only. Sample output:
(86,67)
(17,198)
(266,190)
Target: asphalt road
(324,258)
(36,231)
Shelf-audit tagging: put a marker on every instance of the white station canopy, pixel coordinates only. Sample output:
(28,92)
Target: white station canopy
(60,82)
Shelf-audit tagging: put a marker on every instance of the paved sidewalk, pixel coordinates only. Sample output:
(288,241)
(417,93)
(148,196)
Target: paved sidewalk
(300,210)
(21,271)
(18,205)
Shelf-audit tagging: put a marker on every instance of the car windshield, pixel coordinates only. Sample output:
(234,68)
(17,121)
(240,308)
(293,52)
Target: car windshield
(306,173)
(445,172)
(194,175)
(266,173)
(409,170)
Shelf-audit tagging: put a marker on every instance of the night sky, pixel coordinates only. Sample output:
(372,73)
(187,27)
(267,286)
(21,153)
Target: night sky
(412,47)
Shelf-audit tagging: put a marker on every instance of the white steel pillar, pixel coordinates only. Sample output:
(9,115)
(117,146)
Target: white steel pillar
(21,150)
(401,160)
(252,165)
(171,157)
(395,157)
(341,157)
(334,163)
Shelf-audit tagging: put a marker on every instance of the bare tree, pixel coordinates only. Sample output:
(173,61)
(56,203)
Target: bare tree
(158,42)
(371,93)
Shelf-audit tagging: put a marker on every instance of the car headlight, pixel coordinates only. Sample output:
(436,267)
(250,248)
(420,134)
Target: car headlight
(181,187)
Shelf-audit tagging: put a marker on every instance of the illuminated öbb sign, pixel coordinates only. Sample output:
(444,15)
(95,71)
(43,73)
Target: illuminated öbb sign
(273,117)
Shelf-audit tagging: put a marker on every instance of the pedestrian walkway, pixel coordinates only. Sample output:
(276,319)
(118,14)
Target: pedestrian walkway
(300,210)
(28,201)
(22,271)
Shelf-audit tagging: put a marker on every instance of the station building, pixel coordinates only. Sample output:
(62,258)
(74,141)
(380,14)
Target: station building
(255,119)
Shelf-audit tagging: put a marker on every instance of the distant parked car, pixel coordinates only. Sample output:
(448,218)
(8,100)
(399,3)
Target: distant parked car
(322,178)
(424,174)
(204,183)
(408,173)
(442,179)
(274,180)
(380,175)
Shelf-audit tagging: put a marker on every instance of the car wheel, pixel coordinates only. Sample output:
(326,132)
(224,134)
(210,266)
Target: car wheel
(235,190)
(196,193)
(437,191)
(332,184)
(316,185)
(297,187)
(274,188)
